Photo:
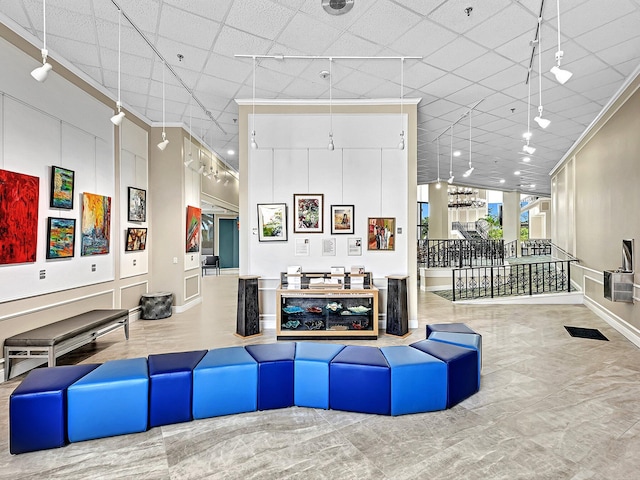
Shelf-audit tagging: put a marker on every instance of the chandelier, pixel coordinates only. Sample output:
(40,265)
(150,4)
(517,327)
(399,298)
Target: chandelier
(465,197)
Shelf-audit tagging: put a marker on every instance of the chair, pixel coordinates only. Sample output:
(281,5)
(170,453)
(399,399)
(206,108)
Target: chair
(211,261)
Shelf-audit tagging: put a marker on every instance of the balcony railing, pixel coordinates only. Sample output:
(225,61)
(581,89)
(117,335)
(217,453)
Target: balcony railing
(460,253)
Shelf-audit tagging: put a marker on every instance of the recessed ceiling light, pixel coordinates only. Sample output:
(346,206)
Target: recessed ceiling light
(457,153)
(230,152)
(517,172)
(533,185)
(526,159)
(502,180)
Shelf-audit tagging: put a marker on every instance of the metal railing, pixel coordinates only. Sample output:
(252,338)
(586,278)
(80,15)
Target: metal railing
(483,227)
(460,253)
(541,246)
(506,280)
(511,249)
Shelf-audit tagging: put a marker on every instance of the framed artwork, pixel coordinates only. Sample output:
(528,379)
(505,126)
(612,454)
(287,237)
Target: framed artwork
(137,205)
(194,216)
(136,239)
(354,247)
(382,231)
(61,188)
(96,224)
(18,217)
(342,219)
(308,213)
(272,222)
(61,237)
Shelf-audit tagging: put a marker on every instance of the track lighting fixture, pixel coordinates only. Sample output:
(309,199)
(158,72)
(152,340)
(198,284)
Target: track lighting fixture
(561,75)
(217,177)
(254,144)
(163,144)
(528,149)
(542,122)
(226,178)
(118,117)
(41,73)
(201,169)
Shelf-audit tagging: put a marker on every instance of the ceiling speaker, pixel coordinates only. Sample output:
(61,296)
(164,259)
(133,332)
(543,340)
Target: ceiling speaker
(337,7)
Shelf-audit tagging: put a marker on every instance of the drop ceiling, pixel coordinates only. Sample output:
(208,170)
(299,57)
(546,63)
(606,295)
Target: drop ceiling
(483,55)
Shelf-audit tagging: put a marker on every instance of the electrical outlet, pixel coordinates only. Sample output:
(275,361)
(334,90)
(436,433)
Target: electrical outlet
(43,274)
(175,260)
(93,267)
(134,262)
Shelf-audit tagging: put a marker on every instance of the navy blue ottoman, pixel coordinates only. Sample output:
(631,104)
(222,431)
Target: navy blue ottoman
(38,408)
(448,327)
(360,381)
(171,386)
(462,368)
(275,374)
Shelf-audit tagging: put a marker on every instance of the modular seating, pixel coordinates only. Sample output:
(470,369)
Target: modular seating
(57,405)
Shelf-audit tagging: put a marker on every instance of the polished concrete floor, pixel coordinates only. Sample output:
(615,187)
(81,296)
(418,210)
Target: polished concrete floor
(550,407)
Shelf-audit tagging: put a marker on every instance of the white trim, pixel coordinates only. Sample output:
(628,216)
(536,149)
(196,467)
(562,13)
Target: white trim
(131,285)
(58,304)
(184,293)
(589,269)
(186,306)
(627,330)
(346,101)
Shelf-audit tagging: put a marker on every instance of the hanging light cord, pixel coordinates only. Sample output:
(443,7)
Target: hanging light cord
(401,94)
(190,142)
(529,107)
(438,155)
(330,97)
(253,128)
(451,155)
(163,108)
(469,138)
(119,47)
(540,64)
(44,31)
(559,52)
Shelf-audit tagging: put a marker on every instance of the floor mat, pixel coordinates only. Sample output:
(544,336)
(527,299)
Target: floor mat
(592,333)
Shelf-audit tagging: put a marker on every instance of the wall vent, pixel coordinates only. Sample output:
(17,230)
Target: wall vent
(337,7)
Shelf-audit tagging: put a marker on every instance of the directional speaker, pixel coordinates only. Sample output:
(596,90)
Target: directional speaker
(337,7)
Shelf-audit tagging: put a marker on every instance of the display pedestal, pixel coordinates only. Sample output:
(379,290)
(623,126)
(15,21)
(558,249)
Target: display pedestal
(397,310)
(248,308)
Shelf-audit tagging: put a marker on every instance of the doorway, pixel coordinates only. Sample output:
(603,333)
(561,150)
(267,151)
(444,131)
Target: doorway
(228,243)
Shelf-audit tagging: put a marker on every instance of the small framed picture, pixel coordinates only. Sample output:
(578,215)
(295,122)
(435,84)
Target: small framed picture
(308,213)
(342,219)
(382,231)
(61,188)
(136,239)
(137,205)
(272,222)
(354,247)
(61,236)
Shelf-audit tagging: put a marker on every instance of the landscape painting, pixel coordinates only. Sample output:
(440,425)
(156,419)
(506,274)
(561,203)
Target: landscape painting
(96,221)
(61,235)
(18,217)
(194,215)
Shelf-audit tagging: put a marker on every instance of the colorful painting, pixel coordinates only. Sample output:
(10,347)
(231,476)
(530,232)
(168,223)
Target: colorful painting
(137,205)
(136,239)
(308,213)
(96,221)
(61,236)
(61,188)
(342,219)
(18,217)
(272,222)
(382,234)
(194,215)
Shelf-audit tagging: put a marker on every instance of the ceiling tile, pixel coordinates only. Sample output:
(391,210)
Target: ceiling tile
(233,41)
(423,39)
(188,28)
(452,13)
(592,14)
(394,18)
(308,34)
(504,26)
(213,9)
(263,18)
(455,54)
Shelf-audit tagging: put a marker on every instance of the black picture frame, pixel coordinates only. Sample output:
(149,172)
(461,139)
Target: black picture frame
(61,238)
(136,239)
(62,188)
(137,206)
(342,219)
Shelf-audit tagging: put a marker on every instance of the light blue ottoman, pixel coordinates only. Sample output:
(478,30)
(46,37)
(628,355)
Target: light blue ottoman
(418,380)
(470,340)
(311,373)
(225,382)
(111,400)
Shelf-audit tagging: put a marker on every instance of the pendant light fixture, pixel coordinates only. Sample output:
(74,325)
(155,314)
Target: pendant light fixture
(401,143)
(189,160)
(40,73)
(331,146)
(226,178)
(163,144)
(527,135)
(450,181)
(438,155)
(471,169)
(543,122)
(254,144)
(561,75)
(118,117)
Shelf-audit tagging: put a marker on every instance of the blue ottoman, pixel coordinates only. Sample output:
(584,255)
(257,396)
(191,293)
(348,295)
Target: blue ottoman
(311,373)
(225,382)
(360,381)
(275,374)
(38,408)
(462,368)
(448,327)
(469,340)
(170,386)
(418,380)
(111,400)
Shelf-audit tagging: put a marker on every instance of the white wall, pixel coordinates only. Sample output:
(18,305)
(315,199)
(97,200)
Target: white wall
(45,124)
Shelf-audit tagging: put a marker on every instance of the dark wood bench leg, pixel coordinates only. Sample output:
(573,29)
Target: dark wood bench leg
(7,364)
(126,328)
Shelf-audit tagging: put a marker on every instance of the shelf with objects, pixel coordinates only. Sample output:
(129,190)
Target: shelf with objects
(327,306)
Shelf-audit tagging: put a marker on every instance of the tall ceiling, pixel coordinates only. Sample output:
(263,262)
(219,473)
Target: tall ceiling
(466,57)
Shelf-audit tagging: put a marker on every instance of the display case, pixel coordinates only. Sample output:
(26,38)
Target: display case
(335,308)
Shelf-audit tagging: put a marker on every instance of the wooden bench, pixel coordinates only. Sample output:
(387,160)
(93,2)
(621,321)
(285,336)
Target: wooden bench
(51,341)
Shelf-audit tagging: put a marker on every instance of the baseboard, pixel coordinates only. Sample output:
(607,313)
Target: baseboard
(186,306)
(627,330)
(565,298)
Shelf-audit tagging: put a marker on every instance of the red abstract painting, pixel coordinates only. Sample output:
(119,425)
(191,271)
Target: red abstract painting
(18,217)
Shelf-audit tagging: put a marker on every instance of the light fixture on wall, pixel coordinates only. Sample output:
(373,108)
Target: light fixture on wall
(450,181)
(254,144)
(189,160)
(163,144)
(471,169)
(118,117)
(438,155)
(561,75)
(401,142)
(40,73)
(543,122)
(226,178)
(201,169)
(217,176)
(331,146)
